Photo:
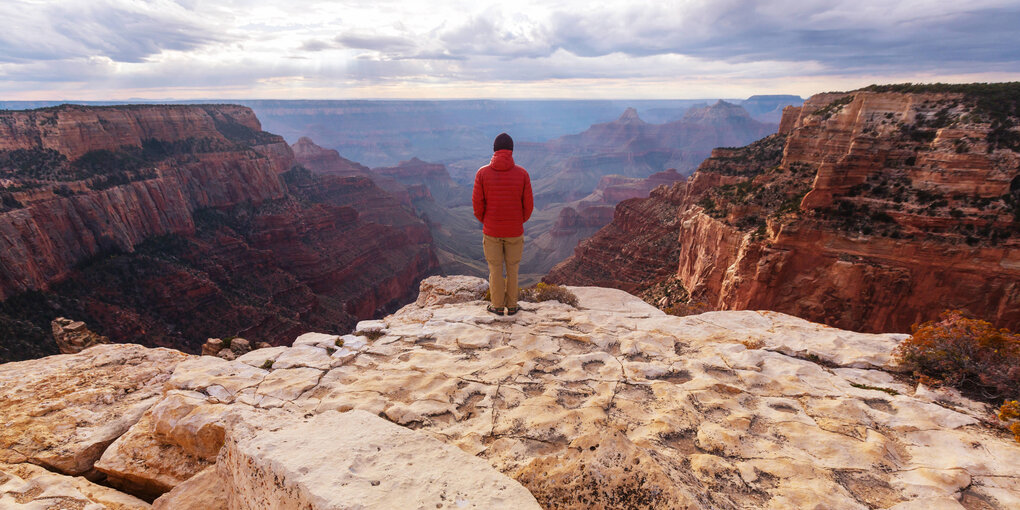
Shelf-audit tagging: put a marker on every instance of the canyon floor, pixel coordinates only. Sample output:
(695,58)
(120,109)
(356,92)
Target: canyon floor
(610,404)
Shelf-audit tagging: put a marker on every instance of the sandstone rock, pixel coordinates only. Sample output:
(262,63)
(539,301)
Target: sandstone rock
(63,411)
(437,290)
(716,410)
(240,346)
(212,347)
(27,486)
(603,470)
(262,345)
(227,354)
(143,464)
(203,491)
(73,336)
(374,464)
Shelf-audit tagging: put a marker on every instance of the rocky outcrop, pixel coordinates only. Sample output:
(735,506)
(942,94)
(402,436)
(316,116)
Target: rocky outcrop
(877,210)
(62,413)
(610,404)
(74,336)
(326,161)
(27,486)
(378,465)
(190,223)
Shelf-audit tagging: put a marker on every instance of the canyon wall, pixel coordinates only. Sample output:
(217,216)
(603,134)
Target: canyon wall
(170,224)
(875,210)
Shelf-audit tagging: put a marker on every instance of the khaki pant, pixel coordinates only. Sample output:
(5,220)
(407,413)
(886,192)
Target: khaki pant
(500,252)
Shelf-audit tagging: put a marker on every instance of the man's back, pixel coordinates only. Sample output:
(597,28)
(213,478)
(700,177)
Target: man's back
(502,197)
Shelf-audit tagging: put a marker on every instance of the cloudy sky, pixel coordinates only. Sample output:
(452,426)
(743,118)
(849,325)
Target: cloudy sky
(189,49)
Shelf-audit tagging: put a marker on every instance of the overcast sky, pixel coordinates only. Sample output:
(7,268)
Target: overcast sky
(188,49)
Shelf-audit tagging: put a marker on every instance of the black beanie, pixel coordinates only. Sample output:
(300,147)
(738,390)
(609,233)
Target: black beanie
(503,142)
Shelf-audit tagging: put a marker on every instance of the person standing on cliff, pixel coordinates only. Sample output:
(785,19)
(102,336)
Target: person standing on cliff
(502,201)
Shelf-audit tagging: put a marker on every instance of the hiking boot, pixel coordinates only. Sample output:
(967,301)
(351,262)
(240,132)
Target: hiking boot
(491,309)
(510,310)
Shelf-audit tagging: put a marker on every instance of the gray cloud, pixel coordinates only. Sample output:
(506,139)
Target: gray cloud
(75,43)
(123,32)
(746,31)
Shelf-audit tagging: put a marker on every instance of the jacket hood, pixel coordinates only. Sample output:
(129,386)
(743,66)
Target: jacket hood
(502,160)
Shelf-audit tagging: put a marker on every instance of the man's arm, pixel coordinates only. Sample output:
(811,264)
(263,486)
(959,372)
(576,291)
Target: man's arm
(528,200)
(478,198)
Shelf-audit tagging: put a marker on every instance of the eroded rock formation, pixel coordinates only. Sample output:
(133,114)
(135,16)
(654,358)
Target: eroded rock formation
(871,210)
(74,336)
(610,404)
(180,223)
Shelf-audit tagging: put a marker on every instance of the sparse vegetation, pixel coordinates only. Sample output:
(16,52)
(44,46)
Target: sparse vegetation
(753,343)
(369,334)
(339,342)
(875,388)
(1010,412)
(965,353)
(995,103)
(830,109)
(267,364)
(690,307)
(548,292)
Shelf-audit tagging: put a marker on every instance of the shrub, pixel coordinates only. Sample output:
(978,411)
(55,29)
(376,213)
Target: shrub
(969,354)
(372,335)
(1010,411)
(267,364)
(689,308)
(548,292)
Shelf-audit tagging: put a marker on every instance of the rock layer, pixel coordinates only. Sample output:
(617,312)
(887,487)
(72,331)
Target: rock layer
(180,223)
(872,210)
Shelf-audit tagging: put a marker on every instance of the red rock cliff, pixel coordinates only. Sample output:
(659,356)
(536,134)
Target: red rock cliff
(168,224)
(879,209)
(63,222)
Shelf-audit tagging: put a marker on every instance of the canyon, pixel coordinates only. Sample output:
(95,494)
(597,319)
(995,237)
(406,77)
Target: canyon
(607,404)
(577,178)
(177,223)
(870,210)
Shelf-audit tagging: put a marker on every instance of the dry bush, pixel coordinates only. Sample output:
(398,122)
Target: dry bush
(753,343)
(968,354)
(548,292)
(688,308)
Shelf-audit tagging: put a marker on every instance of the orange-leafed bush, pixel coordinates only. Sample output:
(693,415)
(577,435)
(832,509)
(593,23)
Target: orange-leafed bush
(966,353)
(1010,411)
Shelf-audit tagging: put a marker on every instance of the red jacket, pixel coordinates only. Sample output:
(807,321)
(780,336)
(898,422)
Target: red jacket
(502,196)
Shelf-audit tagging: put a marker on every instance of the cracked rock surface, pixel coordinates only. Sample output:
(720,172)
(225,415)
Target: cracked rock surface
(611,404)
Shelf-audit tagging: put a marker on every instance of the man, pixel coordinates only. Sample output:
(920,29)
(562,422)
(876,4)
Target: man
(502,202)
